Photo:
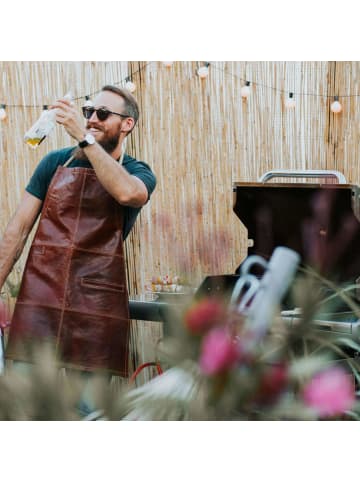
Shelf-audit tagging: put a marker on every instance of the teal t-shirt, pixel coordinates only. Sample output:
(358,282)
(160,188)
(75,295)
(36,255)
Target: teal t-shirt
(44,172)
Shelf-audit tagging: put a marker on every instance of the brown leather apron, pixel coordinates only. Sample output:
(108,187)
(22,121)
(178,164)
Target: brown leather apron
(73,290)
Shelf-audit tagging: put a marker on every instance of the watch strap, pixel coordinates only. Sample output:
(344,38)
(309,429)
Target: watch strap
(83,143)
(88,140)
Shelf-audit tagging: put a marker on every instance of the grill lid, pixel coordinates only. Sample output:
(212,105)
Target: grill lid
(319,221)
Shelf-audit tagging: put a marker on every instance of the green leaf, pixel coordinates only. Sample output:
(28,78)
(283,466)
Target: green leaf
(348,342)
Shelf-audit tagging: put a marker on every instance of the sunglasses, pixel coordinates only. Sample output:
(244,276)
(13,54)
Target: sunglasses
(101,113)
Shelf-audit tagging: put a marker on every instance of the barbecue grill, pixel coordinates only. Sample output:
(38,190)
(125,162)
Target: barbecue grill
(320,221)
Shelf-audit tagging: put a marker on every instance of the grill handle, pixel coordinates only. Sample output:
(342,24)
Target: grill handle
(303,173)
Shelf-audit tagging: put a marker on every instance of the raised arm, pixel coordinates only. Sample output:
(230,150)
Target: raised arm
(16,233)
(127,189)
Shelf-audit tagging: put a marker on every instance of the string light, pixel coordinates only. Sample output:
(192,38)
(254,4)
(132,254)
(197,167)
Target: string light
(3,114)
(336,107)
(203,71)
(88,101)
(130,85)
(245,90)
(290,101)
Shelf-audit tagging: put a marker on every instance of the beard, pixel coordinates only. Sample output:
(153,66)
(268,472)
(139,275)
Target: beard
(109,144)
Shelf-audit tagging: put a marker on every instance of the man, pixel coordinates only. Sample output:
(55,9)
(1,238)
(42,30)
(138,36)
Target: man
(73,290)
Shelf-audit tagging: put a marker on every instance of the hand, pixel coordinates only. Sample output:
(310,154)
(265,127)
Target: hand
(68,116)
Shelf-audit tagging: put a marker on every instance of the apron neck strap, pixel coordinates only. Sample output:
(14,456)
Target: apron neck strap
(68,161)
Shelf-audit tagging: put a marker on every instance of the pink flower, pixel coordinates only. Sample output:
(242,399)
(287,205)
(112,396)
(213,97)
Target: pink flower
(330,392)
(273,381)
(204,315)
(219,352)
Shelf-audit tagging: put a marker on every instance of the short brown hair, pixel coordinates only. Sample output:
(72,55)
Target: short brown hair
(131,105)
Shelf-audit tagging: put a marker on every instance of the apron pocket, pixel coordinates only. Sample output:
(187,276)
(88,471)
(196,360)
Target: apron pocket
(102,285)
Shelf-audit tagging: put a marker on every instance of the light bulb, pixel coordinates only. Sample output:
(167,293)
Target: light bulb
(88,102)
(203,72)
(245,90)
(290,102)
(130,86)
(336,107)
(168,63)
(3,114)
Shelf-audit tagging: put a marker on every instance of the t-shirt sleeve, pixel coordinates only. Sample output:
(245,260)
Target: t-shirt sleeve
(143,172)
(41,178)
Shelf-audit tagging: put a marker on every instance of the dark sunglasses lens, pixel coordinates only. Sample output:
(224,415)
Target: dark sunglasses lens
(102,114)
(88,112)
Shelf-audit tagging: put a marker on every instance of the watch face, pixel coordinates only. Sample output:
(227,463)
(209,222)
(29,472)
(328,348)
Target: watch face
(90,139)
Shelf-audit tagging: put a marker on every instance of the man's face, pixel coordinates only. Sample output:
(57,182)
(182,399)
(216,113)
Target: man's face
(107,132)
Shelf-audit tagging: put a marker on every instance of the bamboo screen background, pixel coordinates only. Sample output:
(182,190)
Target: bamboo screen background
(198,136)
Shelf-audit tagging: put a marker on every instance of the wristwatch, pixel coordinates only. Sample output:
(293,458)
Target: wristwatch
(89,139)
